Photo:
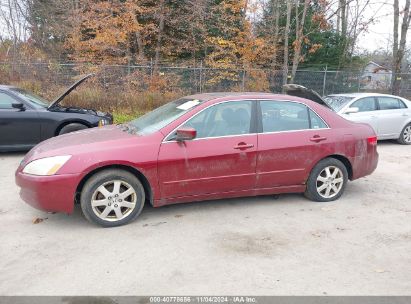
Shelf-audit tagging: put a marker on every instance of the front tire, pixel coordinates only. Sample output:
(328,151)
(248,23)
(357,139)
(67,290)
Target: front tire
(72,128)
(327,181)
(405,137)
(112,198)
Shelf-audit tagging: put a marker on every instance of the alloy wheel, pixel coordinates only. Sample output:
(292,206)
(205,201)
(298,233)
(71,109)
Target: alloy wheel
(407,134)
(114,200)
(330,182)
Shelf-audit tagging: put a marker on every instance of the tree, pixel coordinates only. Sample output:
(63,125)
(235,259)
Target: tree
(399,47)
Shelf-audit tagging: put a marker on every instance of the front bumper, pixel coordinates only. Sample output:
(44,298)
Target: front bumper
(54,193)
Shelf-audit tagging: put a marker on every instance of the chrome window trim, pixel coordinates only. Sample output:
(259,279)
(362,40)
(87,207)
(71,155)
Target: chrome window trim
(251,99)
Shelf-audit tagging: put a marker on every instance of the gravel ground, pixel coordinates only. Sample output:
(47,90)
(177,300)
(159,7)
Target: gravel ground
(359,245)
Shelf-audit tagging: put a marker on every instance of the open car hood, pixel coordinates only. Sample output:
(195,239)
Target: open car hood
(71,88)
(303,92)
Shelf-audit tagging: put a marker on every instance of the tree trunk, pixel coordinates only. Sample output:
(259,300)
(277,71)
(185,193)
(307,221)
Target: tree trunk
(399,49)
(286,37)
(298,37)
(276,31)
(161,19)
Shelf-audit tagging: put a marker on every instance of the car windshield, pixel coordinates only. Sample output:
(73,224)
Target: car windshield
(34,100)
(162,116)
(337,102)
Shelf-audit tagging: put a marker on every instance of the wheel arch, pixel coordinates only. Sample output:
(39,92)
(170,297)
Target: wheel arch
(144,181)
(345,161)
(67,122)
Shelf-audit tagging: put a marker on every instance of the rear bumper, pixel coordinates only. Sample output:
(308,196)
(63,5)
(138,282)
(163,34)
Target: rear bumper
(48,193)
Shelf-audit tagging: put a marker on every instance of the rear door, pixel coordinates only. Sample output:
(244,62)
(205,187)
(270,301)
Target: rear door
(392,116)
(18,128)
(367,112)
(292,139)
(222,158)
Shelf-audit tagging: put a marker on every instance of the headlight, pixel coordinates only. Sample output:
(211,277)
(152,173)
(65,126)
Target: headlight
(46,166)
(103,122)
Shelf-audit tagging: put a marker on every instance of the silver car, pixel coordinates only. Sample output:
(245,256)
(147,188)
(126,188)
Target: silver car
(389,115)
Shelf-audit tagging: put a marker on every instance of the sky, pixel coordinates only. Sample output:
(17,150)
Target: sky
(379,34)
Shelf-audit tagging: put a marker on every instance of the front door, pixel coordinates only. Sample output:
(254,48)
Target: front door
(222,158)
(18,128)
(367,112)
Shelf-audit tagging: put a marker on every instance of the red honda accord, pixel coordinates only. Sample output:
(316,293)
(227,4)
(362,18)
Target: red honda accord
(201,147)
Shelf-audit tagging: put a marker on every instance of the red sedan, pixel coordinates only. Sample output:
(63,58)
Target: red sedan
(201,147)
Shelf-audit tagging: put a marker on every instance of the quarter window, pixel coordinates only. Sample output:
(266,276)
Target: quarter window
(390,103)
(315,121)
(6,101)
(365,104)
(224,119)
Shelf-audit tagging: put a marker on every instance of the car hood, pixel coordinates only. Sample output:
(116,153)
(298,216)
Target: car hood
(71,88)
(303,92)
(89,140)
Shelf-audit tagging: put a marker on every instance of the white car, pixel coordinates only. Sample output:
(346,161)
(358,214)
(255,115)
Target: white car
(390,116)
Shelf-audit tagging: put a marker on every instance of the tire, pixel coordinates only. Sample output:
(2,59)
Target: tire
(322,181)
(405,137)
(72,127)
(109,209)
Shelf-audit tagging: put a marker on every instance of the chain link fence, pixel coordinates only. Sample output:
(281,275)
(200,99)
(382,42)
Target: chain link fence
(115,83)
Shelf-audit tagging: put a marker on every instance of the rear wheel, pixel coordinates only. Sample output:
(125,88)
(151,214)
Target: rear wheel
(327,181)
(405,137)
(112,198)
(72,127)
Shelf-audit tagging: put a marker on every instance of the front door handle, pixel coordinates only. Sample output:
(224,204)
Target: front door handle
(317,138)
(405,114)
(243,146)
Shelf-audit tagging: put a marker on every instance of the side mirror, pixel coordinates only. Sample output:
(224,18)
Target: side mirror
(18,105)
(185,134)
(351,110)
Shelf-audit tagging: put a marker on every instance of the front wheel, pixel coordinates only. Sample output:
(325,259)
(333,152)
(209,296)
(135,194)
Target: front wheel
(405,137)
(327,181)
(112,198)
(72,127)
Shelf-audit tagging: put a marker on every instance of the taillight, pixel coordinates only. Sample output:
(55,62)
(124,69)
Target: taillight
(372,140)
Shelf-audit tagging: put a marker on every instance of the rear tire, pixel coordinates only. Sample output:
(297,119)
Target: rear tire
(327,181)
(72,128)
(405,137)
(112,198)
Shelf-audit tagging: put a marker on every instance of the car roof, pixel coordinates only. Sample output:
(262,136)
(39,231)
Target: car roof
(229,95)
(356,95)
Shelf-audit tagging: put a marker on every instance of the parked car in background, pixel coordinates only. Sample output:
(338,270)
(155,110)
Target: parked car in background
(201,147)
(26,119)
(390,116)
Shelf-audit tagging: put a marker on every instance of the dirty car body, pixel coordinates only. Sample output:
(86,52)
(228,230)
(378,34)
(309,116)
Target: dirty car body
(210,146)
(26,119)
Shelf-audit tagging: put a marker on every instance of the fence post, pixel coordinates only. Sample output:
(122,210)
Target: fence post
(243,82)
(201,75)
(325,79)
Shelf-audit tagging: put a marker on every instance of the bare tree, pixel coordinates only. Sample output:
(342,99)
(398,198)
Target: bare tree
(286,38)
(399,48)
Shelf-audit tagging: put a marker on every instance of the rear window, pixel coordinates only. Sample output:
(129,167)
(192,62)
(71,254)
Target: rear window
(337,102)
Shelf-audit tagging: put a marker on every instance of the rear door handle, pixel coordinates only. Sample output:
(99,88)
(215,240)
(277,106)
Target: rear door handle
(317,138)
(405,114)
(243,146)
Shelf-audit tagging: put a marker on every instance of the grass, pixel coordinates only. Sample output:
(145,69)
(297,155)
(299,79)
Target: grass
(122,116)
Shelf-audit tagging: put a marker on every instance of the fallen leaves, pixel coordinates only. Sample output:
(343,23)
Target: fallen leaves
(39,220)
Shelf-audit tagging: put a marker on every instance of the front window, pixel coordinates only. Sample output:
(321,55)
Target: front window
(157,119)
(224,119)
(365,104)
(337,102)
(34,100)
(6,101)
